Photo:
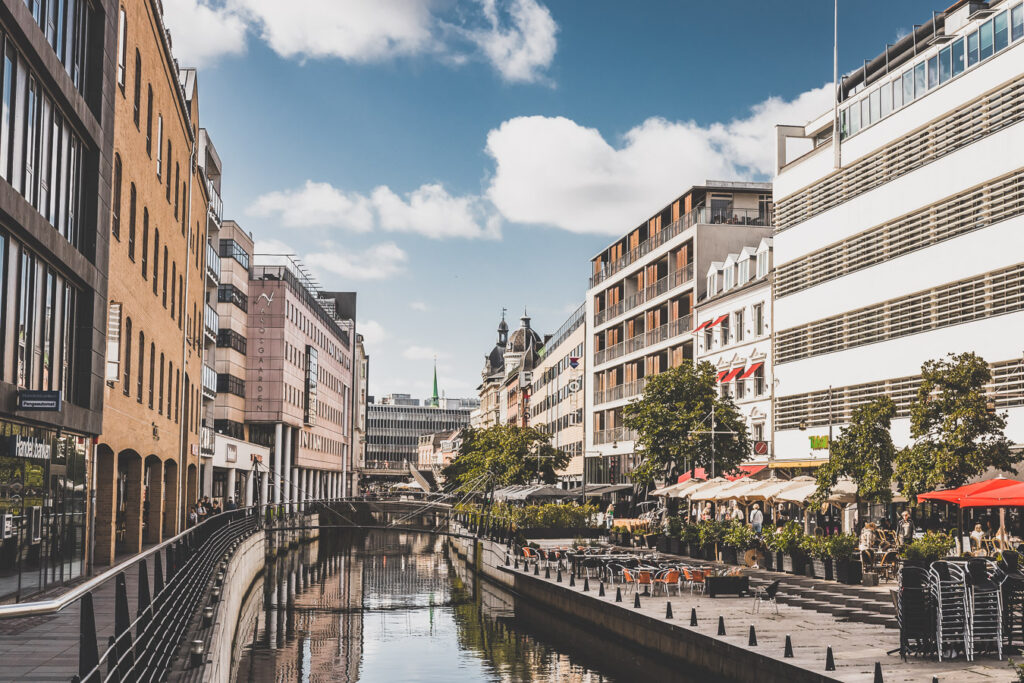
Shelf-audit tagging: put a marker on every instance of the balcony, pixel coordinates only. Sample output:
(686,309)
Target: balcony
(700,215)
(670,281)
(675,328)
(613,435)
(216,203)
(209,382)
(627,390)
(211,323)
(206,441)
(212,264)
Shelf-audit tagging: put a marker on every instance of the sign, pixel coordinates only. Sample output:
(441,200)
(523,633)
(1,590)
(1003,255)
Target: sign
(195,449)
(28,447)
(760,448)
(574,386)
(40,400)
(819,443)
(574,362)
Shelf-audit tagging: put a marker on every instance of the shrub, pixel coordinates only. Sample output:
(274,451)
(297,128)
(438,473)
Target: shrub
(840,546)
(932,546)
(815,546)
(787,539)
(674,527)
(710,532)
(738,535)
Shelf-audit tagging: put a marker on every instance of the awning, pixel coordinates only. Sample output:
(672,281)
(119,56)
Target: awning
(722,374)
(958,494)
(751,370)
(532,491)
(718,320)
(1005,496)
(701,326)
(776,464)
(608,488)
(671,491)
(744,471)
(708,490)
(731,375)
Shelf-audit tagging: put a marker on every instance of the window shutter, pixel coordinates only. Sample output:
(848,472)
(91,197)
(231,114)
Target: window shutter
(113,341)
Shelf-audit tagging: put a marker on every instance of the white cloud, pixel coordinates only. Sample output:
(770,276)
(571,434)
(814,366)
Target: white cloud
(429,211)
(422,353)
(378,262)
(519,40)
(373,332)
(202,33)
(553,171)
(419,306)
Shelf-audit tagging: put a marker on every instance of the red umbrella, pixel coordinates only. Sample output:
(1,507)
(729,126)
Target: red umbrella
(958,495)
(1004,496)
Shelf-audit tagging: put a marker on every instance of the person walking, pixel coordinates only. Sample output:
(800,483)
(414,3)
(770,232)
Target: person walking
(193,516)
(756,518)
(905,529)
(609,515)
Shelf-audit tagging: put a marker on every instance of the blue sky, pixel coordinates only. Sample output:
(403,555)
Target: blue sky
(449,158)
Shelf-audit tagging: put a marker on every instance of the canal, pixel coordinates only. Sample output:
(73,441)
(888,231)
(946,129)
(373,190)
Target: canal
(393,606)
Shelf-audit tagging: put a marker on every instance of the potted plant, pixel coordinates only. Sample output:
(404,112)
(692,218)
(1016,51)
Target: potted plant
(673,532)
(737,539)
(921,552)
(816,548)
(847,567)
(772,559)
(710,535)
(786,541)
(689,537)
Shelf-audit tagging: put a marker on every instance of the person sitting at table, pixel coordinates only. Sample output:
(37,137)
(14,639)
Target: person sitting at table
(706,515)
(868,536)
(977,536)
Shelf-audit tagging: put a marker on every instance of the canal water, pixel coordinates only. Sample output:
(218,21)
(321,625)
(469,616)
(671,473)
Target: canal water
(392,606)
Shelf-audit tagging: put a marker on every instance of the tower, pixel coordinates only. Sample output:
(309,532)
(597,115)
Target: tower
(435,400)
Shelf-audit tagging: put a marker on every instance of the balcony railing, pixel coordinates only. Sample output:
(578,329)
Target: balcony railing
(644,339)
(627,390)
(206,441)
(700,215)
(216,204)
(211,323)
(209,382)
(212,263)
(612,435)
(670,281)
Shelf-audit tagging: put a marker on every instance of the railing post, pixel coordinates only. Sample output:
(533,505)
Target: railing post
(88,653)
(158,576)
(122,623)
(144,601)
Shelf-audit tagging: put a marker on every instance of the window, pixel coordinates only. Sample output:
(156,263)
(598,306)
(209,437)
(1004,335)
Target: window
(758,319)
(958,57)
(235,430)
(156,258)
(945,65)
(142,364)
(131,222)
(115,210)
(712,290)
(759,386)
(159,145)
(876,105)
(738,321)
(165,278)
(177,176)
(762,264)
(113,341)
(985,41)
(1001,31)
(229,294)
(160,399)
(708,336)
(145,243)
(758,432)
(725,331)
(920,79)
(152,372)
(886,100)
(854,119)
(122,47)
(933,72)
(137,103)
(908,87)
(1017,23)
(174,276)
(972,49)
(169,157)
(227,338)
(229,384)
(728,278)
(232,249)
(149,121)
(127,357)
(897,94)
(740,390)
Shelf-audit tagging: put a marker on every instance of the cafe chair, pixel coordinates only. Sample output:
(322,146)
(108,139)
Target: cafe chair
(766,594)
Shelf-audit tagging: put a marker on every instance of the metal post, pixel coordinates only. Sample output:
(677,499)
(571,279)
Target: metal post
(88,653)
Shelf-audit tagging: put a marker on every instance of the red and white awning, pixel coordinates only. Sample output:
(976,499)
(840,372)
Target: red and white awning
(751,370)
(730,375)
(718,320)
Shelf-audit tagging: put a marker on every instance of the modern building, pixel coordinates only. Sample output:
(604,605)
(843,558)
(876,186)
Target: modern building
(733,332)
(234,456)
(557,393)
(903,240)
(147,458)
(640,303)
(56,142)
(298,386)
(393,430)
(361,378)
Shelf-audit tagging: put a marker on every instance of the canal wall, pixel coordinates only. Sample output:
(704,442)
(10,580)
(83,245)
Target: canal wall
(713,658)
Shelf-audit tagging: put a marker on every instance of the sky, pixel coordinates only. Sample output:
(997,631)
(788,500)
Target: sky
(448,159)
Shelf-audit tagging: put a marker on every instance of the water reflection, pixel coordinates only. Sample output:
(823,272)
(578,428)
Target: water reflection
(389,606)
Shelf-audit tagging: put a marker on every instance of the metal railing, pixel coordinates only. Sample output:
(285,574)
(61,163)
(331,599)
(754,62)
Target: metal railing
(612,435)
(216,203)
(675,328)
(627,390)
(209,382)
(212,263)
(670,281)
(211,322)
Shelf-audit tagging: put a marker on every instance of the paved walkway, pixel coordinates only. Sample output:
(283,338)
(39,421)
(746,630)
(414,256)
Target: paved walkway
(855,646)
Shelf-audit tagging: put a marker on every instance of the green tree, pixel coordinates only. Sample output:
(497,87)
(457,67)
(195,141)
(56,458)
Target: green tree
(864,452)
(503,455)
(673,424)
(957,434)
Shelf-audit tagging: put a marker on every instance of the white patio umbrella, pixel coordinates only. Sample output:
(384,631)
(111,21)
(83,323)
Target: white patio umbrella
(687,487)
(708,490)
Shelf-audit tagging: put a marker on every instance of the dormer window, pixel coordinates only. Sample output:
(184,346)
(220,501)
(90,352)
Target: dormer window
(711,285)
(762,264)
(729,279)
(744,272)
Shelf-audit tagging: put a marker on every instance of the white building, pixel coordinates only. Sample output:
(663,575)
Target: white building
(912,246)
(734,334)
(640,303)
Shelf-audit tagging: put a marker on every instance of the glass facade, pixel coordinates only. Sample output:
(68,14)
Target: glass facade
(43,500)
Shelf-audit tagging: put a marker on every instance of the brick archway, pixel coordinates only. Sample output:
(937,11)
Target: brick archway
(130,502)
(191,485)
(154,499)
(105,514)
(170,520)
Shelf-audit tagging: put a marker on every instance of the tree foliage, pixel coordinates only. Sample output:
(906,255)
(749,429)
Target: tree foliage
(673,424)
(956,437)
(503,455)
(864,452)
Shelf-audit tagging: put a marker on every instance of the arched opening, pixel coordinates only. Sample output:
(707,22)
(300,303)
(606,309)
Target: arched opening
(129,518)
(153,503)
(191,485)
(170,520)
(106,504)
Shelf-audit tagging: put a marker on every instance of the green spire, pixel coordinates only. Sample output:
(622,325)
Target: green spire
(435,400)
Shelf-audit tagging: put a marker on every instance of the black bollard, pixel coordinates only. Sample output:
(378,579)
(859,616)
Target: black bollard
(586,584)
(668,609)
(517,563)
(693,616)
(507,563)
(600,589)
(636,601)
(830,661)
(788,652)
(558,576)
(721,625)
(536,570)
(878,674)
(572,580)
(752,641)
(547,572)
(618,594)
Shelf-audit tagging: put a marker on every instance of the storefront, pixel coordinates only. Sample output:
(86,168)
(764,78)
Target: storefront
(43,506)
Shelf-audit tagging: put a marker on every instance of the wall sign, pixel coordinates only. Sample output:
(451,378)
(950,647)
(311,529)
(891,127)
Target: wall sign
(28,447)
(40,400)
(819,443)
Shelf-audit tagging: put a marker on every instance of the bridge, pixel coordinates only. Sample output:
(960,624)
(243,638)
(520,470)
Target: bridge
(178,584)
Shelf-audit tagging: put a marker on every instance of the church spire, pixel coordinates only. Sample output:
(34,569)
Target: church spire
(435,400)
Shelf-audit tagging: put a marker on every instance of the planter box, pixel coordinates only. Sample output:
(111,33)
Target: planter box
(673,546)
(821,569)
(870,579)
(563,532)
(662,544)
(728,554)
(794,563)
(848,572)
(709,554)
(778,560)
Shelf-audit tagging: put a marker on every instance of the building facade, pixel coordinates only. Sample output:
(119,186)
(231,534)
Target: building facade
(640,305)
(393,430)
(210,175)
(557,393)
(361,378)
(147,459)
(56,141)
(733,332)
(492,378)
(298,388)
(904,241)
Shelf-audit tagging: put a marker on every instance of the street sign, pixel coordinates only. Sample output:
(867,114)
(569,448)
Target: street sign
(574,362)
(40,400)
(574,386)
(760,448)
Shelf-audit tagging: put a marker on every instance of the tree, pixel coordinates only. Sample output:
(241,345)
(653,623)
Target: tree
(673,424)
(957,434)
(864,452)
(503,455)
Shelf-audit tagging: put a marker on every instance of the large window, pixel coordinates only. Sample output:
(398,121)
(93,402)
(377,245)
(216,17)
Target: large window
(137,95)
(758,319)
(229,294)
(229,384)
(115,210)
(122,47)
(227,338)
(738,318)
(232,249)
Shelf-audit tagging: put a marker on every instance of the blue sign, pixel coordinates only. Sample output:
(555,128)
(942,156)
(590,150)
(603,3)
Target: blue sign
(574,362)
(40,400)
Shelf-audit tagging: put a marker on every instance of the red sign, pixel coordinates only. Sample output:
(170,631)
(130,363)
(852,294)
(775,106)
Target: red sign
(761,447)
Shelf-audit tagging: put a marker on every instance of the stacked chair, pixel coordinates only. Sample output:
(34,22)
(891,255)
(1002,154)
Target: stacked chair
(1009,576)
(915,613)
(985,609)
(948,587)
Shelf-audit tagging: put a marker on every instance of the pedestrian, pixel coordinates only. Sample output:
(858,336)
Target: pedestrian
(193,516)
(610,515)
(201,511)
(737,513)
(215,508)
(231,505)
(905,529)
(706,515)
(756,518)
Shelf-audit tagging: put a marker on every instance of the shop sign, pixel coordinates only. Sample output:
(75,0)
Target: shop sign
(40,400)
(28,447)
(819,443)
